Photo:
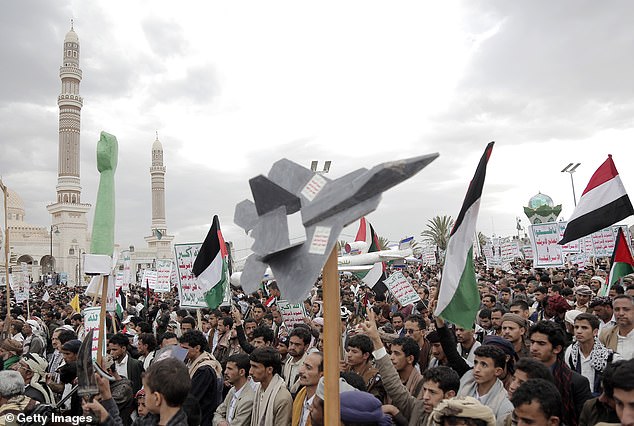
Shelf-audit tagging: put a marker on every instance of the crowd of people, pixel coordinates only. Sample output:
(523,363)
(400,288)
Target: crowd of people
(544,349)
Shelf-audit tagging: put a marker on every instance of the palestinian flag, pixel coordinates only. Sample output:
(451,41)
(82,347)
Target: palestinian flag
(120,299)
(458,298)
(366,233)
(603,203)
(622,262)
(211,266)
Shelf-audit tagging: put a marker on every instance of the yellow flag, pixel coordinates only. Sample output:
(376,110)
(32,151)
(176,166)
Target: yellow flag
(75,303)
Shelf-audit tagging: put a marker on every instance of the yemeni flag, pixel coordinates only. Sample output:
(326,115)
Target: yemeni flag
(211,266)
(622,263)
(603,203)
(458,298)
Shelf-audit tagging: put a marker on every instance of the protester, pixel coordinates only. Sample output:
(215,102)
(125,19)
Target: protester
(236,408)
(537,402)
(273,404)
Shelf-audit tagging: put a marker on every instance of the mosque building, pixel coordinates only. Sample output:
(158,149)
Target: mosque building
(57,250)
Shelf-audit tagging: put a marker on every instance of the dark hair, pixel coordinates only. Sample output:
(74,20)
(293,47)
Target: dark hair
(493,298)
(523,305)
(566,291)
(361,342)
(65,335)
(242,361)
(592,319)
(542,391)
(534,369)
(76,317)
(622,296)
(417,319)
(485,313)
(502,310)
(409,346)
(149,340)
(555,334)
(541,289)
(182,313)
(119,339)
(267,356)
(265,333)
(302,333)
(189,320)
(398,314)
(379,298)
(446,378)
(618,289)
(493,352)
(520,287)
(259,306)
(354,380)
(250,320)
(170,378)
(145,327)
(505,290)
(623,376)
(226,321)
(195,338)
(555,288)
(167,335)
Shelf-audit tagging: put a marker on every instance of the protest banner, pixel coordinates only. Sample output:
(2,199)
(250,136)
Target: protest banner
(92,321)
(127,270)
(149,279)
(190,294)
(494,249)
(118,283)
(401,289)
(509,250)
(572,246)
(21,289)
(528,252)
(163,275)
(292,313)
(544,238)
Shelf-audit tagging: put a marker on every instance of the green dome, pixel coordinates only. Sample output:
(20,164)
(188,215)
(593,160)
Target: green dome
(540,200)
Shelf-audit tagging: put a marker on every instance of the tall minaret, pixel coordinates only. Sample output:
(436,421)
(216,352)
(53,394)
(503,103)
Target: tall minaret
(68,213)
(159,238)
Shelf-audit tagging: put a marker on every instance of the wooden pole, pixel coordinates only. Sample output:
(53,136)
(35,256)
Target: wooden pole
(332,339)
(7,321)
(199,320)
(102,319)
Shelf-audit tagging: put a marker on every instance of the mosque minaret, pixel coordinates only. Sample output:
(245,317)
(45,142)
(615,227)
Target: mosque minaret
(159,240)
(69,231)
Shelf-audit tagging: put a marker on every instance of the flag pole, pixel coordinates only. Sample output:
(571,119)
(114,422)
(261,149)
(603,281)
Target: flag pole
(332,339)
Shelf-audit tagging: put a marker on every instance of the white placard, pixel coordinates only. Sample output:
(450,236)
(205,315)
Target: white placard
(546,251)
(92,321)
(314,187)
(292,313)
(401,289)
(320,239)
(149,279)
(163,275)
(190,294)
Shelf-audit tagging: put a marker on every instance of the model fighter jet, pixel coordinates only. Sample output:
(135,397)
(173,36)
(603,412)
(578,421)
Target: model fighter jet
(326,207)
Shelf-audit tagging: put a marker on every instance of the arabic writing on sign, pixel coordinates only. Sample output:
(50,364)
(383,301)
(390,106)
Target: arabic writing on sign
(191,295)
(292,314)
(544,238)
(401,289)
(163,275)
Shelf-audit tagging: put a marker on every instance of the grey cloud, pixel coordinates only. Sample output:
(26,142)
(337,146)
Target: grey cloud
(165,36)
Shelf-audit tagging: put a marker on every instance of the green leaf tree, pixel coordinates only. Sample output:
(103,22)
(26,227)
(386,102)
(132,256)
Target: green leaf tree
(437,232)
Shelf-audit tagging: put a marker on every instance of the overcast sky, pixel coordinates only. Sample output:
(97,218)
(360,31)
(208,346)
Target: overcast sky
(232,87)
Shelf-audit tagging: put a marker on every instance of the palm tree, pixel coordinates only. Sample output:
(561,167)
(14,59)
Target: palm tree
(437,232)
(384,243)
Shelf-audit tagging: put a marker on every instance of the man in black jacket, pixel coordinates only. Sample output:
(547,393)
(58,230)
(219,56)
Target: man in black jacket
(126,366)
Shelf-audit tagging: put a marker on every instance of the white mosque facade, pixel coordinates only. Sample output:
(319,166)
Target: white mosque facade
(56,250)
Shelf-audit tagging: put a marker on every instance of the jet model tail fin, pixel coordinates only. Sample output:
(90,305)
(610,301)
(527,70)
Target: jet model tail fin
(268,196)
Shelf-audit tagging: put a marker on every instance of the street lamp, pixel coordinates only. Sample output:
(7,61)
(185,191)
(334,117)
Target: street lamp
(570,168)
(55,229)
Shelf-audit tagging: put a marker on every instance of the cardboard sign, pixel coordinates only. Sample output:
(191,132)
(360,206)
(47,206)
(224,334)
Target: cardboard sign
(546,251)
(401,289)
(292,314)
(163,275)
(149,279)
(190,294)
(21,288)
(92,321)
(127,270)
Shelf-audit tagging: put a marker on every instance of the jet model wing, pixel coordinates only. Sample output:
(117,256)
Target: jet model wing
(326,207)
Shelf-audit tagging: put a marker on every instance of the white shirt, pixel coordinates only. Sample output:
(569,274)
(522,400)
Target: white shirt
(606,324)
(122,367)
(625,347)
(470,359)
(306,410)
(232,405)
